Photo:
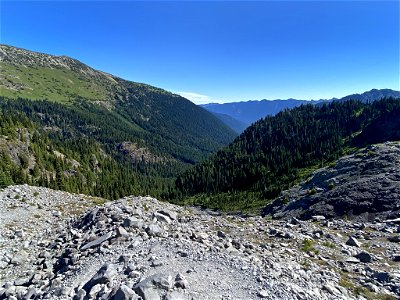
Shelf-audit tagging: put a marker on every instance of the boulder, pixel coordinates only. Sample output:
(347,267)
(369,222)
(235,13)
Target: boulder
(124,293)
(149,288)
(352,241)
(364,257)
(103,276)
(97,241)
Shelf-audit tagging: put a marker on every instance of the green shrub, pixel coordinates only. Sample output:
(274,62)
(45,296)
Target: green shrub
(311,192)
(308,246)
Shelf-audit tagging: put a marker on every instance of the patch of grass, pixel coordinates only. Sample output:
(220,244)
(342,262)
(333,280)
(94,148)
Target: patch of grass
(329,245)
(35,194)
(311,192)
(17,196)
(304,173)
(98,200)
(308,246)
(59,85)
(331,186)
(363,291)
(332,164)
(286,200)
(306,264)
(244,202)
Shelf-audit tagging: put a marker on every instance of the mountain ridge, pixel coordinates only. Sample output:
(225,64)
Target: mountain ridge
(142,133)
(253,110)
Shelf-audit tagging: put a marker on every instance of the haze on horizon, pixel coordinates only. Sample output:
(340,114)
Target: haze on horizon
(216,51)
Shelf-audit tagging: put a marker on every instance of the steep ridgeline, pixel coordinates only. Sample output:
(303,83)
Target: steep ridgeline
(236,125)
(95,133)
(277,152)
(250,111)
(371,95)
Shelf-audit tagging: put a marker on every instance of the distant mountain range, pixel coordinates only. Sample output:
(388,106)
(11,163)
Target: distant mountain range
(247,112)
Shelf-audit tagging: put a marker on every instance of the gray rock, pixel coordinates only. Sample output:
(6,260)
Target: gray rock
(181,282)
(352,260)
(177,295)
(148,288)
(263,294)
(19,233)
(331,289)
(154,230)
(170,214)
(381,276)
(124,293)
(80,295)
(318,218)
(122,233)
(352,241)
(95,290)
(364,257)
(124,258)
(369,184)
(97,242)
(394,221)
(103,276)
(162,218)
(394,239)
(31,294)
(221,234)
(21,281)
(372,287)
(133,222)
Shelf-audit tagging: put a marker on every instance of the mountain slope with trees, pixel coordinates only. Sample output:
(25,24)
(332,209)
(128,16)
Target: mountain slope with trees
(75,128)
(236,125)
(276,152)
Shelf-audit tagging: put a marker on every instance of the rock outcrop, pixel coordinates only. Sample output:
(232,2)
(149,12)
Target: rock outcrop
(363,185)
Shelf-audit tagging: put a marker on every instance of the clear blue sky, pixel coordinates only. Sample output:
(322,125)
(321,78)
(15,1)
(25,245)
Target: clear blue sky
(221,51)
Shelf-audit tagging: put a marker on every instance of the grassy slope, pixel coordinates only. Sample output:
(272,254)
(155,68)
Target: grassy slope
(59,85)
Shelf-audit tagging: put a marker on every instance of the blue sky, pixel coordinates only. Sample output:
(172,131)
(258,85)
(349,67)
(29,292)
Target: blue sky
(214,51)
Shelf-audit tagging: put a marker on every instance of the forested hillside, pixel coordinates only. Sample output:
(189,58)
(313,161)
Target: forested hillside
(162,120)
(88,149)
(67,126)
(276,152)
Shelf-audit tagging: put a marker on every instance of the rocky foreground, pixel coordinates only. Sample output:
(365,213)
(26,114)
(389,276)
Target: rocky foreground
(56,245)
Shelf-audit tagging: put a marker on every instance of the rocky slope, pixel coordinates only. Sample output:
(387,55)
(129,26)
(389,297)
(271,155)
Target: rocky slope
(56,245)
(363,185)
